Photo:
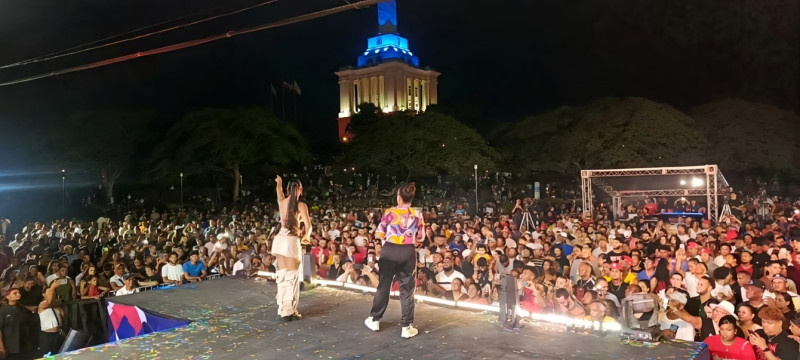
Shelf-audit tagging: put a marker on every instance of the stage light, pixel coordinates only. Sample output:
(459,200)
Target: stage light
(434,300)
(683,182)
(697,182)
(471,306)
(267,274)
(360,287)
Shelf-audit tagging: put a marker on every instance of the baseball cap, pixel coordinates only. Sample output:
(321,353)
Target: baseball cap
(692,245)
(466,252)
(705,251)
(778,277)
(757,283)
(616,265)
(482,261)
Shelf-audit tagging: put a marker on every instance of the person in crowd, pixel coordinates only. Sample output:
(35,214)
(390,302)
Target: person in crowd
(400,228)
(12,321)
(727,345)
(49,321)
(772,340)
(172,273)
(746,315)
(194,270)
(286,247)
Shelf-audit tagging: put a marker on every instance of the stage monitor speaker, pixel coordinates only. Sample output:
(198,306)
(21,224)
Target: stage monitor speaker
(75,340)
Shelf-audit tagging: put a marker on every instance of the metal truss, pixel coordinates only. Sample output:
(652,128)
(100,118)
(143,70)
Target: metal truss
(715,185)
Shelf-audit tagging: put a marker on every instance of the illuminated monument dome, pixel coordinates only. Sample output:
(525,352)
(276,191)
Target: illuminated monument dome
(388,75)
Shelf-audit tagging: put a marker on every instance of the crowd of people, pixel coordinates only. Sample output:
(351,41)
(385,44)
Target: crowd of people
(738,274)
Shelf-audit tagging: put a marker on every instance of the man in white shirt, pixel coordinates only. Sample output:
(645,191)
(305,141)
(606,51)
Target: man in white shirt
(172,273)
(117,281)
(445,278)
(334,233)
(128,288)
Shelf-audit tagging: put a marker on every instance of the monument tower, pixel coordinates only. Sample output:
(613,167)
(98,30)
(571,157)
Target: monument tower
(388,75)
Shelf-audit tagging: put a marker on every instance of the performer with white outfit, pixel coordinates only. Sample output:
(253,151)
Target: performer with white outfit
(287,250)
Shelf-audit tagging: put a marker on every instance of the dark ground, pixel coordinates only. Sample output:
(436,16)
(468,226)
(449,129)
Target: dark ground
(236,319)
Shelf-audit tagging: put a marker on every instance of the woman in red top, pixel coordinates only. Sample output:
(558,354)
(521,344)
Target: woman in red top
(726,345)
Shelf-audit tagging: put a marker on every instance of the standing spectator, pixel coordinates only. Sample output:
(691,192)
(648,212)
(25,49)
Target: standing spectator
(727,345)
(49,322)
(772,340)
(129,288)
(194,270)
(12,317)
(172,273)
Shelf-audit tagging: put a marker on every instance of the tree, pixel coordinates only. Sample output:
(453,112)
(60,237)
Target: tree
(106,143)
(747,136)
(425,144)
(608,133)
(228,140)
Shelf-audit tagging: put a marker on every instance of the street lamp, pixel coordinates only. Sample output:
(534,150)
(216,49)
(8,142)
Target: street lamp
(476,189)
(63,190)
(181,191)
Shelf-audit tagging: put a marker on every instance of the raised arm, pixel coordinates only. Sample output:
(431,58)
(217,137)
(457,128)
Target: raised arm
(279,188)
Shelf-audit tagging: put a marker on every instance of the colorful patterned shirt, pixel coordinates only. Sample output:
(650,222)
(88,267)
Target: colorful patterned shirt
(401,225)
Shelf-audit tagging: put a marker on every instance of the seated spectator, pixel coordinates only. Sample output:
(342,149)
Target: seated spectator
(727,345)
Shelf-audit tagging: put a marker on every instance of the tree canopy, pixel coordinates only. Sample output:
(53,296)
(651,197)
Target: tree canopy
(425,144)
(227,141)
(746,136)
(608,133)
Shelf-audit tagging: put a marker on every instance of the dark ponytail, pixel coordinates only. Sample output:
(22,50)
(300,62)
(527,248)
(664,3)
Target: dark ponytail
(291,210)
(407,191)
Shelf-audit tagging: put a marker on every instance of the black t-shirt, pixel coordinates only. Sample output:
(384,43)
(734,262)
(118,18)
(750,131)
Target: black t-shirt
(11,319)
(760,260)
(781,345)
(618,290)
(33,297)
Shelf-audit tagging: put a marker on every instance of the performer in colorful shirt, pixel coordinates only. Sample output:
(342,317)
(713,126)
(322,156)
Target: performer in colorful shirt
(400,227)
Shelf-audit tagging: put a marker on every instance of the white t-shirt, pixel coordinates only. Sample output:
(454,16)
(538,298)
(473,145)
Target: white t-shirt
(445,281)
(721,289)
(685,330)
(172,272)
(334,233)
(691,284)
(125,291)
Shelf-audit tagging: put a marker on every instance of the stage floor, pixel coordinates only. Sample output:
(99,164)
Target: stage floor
(236,319)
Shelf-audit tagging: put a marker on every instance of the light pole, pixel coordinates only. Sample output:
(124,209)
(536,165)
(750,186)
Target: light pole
(476,189)
(63,191)
(181,191)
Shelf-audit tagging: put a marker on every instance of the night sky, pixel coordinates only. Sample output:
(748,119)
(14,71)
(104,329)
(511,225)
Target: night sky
(500,61)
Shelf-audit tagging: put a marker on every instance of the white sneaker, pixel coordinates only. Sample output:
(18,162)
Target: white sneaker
(372,325)
(409,332)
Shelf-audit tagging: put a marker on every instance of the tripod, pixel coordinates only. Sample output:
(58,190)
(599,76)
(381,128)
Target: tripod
(527,221)
(726,210)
